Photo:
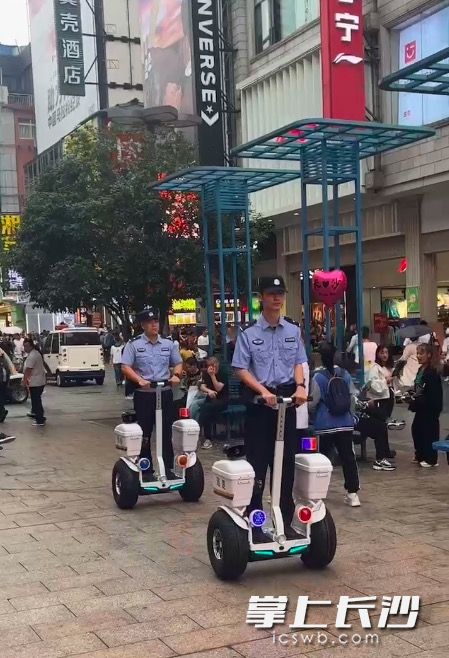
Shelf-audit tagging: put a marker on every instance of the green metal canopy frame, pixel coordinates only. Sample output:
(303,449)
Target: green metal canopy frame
(428,76)
(224,202)
(329,152)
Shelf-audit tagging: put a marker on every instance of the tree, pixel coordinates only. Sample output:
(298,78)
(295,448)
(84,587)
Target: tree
(94,233)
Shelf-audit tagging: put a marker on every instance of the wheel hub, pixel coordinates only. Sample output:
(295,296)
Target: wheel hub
(217,544)
(117,484)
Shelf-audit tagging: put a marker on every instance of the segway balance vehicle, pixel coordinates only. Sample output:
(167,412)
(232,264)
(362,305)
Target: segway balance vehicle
(132,476)
(230,532)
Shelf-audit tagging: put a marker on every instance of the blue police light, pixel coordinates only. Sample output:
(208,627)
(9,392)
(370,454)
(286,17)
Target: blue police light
(257,518)
(144,464)
(309,444)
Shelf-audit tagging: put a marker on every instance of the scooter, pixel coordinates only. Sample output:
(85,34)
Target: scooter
(15,391)
(230,540)
(131,473)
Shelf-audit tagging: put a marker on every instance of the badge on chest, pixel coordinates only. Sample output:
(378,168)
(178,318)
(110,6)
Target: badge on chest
(258,341)
(290,339)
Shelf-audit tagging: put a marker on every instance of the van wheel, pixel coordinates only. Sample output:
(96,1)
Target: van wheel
(60,380)
(99,381)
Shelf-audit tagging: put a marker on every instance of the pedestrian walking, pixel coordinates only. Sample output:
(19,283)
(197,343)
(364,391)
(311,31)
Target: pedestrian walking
(34,379)
(380,395)
(6,370)
(427,404)
(268,359)
(203,344)
(146,359)
(445,356)
(116,356)
(331,392)
(107,340)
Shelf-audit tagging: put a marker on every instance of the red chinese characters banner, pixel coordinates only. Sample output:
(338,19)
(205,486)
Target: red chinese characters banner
(342,58)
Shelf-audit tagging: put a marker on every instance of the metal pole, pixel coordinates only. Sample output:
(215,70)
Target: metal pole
(249,286)
(326,236)
(221,272)
(235,289)
(339,306)
(209,300)
(305,268)
(100,33)
(359,260)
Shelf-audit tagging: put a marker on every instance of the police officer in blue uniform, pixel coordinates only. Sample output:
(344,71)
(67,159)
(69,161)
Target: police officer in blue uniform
(148,358)
(268,360)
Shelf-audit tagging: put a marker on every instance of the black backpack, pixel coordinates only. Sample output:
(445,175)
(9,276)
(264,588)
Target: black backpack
(338,396)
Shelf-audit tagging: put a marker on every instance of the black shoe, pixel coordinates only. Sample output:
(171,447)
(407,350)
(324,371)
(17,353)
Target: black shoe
(6,438)
(259,537)
(3,416)
(148,476)
(290,533)
(170,475)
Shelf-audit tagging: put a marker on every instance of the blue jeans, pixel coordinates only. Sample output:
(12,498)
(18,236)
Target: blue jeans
(195,407)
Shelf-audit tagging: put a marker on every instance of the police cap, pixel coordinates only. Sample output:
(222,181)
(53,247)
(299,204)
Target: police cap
(272,284)
(147,314)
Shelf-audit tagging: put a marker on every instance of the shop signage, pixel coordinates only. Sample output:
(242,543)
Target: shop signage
(413,300)
(10,226)
(69,47)
(380,323)
(342,57)
(206,60)
(183,305)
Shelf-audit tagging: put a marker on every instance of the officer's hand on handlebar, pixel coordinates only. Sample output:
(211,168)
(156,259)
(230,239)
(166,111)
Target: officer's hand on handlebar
(300,396)
(268,398)
(144,385)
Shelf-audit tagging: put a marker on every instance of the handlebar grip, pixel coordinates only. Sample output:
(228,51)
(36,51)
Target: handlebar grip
(161,384)
(280,400)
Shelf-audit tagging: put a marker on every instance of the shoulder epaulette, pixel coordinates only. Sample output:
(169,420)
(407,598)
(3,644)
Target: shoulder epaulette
(250,324)
(136,338)
(291,321)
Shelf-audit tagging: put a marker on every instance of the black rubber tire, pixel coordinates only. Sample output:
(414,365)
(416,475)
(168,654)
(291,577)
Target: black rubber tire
(60,380)
(99,381)
(18,394)
(323,544)
(193,489)
(235,546)
(125,485)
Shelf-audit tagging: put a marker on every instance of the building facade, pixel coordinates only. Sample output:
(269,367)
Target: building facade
(406,197)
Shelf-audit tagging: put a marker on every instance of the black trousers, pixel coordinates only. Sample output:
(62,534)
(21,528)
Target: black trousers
(145,408)
(208,413)
(376,429)
(425,430)
(260,436)
(36,403)
(342,441)
(3,386)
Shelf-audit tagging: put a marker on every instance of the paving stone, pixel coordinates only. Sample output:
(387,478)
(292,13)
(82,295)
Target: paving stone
(169,608)
(152,649)
(76,580)
(430,637)
(145,598)
(141,632)
(436,613)
(66,597)
(53,614)
(76,644)
(15,637)
(213,638)
(215,653)
(91,622)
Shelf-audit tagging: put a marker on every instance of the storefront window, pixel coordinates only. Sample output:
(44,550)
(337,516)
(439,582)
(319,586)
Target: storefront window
(276,19)
(426,36)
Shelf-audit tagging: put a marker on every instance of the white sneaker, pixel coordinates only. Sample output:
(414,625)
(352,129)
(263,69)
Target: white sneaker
(207,445)
(426,465)
(352,500)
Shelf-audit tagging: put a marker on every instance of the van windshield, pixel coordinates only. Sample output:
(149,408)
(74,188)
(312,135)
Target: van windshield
(79,338)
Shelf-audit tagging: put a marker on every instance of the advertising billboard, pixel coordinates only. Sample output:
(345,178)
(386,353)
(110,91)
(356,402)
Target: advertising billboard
(181,57)
(57,115)
(69,47)
(421,39)
(343,51)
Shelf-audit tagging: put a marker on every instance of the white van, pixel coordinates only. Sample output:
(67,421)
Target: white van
(74,354)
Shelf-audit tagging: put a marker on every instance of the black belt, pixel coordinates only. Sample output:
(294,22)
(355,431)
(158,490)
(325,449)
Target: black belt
(283,390)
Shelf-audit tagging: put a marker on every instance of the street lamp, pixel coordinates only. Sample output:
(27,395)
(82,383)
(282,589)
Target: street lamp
(133,115)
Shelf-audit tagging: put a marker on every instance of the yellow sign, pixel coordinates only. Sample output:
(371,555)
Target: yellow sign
(10,226)
(180,319)
(184,305)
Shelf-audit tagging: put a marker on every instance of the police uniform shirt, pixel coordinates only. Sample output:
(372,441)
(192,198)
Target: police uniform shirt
(269,353)
(152,361)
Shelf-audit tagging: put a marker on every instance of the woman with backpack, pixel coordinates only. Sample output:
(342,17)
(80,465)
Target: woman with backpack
(380,395)
(331,393)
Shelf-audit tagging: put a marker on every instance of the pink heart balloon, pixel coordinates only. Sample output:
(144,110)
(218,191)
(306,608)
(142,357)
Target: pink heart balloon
(329,287)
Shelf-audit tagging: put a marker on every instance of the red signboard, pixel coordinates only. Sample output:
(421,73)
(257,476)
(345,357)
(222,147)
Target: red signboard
(380,323)
(342,57)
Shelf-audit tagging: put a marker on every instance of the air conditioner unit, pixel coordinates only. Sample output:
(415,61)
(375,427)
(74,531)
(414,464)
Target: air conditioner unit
(372,22)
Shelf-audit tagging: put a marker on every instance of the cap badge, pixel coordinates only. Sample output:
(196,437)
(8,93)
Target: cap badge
(277,282)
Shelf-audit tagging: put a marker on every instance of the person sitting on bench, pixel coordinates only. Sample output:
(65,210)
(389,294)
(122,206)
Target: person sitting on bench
(215,386)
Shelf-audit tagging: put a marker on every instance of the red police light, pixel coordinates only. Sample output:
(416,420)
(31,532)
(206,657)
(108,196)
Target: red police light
(184,413)
(304,514)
